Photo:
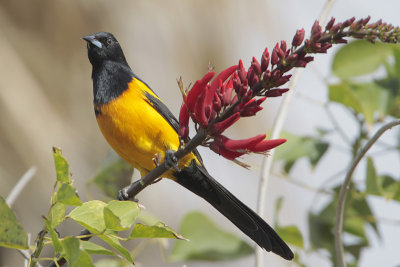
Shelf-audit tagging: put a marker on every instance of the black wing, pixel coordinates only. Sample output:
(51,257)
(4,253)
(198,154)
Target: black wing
(167,115)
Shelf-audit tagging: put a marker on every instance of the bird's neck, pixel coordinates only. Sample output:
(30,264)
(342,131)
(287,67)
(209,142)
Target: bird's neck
(110,80)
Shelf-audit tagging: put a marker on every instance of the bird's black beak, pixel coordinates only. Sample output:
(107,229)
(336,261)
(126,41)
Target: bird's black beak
(92,40)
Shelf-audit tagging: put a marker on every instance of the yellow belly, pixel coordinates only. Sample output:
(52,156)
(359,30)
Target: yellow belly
(136,131)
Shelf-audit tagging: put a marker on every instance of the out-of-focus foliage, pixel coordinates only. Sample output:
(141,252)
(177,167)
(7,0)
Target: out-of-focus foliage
(207,241)
(371,99)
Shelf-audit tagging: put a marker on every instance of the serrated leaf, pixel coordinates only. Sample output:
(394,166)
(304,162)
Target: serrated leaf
(95,249)
(359,58)
(62,167)
(12,235)
(58,248)
(298,147)
(291,234)
(90,215)
(159,230)
(207,241)
(114,174)
(120,215)
(109,238)
(57,213)
(67,195)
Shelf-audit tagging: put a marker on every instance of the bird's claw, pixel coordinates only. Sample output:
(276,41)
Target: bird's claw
(170,160)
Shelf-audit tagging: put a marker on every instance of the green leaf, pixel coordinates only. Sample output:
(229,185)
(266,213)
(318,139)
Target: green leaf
(207,241)
(364,98)
(120,215)
(390,187)
(67,195)
(71,249)
(114,174)
(90,215)
(291,234)
(56,214)
(372,184)
(159,230)
(95,249)
(359,58)
(298,147)
(58,248)
(113,263)
(62,168)
(12,235)
(83,260)
(110,238)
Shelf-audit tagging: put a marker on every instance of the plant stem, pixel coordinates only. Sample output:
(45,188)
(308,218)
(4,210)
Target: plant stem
(276,130)
(345,188)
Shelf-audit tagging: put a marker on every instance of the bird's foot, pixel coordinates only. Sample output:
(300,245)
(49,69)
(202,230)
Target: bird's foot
(170,160)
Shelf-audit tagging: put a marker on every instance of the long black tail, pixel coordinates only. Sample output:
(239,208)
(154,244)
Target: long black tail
(197,180)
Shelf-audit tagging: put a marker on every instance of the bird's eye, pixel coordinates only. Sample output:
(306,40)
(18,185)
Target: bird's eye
(109,41)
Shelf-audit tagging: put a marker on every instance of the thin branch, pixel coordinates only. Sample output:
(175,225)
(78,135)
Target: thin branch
(345,188)
(23,181)
(335,123)
(276,130)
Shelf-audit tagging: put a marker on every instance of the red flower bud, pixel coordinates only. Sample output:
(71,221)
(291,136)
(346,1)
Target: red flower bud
(276,92)
(239,145)
(199,112)
(241,72)
(282,80)
(274,56)
(220,150)
(256,66)
(336,28)
(211,89)
(252,77)
(298,37)
(227,96)
(184,122)
(216,103)
(266,76)
(250,111)
(265,145)
(316,32)
(264,60)
(283,46)
(236,82)
(330,24)
(196,90)
(221,126)
(348,22)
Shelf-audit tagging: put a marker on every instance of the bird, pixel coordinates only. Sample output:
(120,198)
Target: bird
(138,125)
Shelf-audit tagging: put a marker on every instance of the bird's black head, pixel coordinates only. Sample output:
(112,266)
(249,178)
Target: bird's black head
(102,46)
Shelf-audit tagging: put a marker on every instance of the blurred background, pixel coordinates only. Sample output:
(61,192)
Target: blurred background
(46,98)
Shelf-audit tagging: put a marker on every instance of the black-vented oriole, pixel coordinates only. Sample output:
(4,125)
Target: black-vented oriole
(138,126)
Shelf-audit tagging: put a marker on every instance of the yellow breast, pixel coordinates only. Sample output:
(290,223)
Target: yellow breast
(135,130)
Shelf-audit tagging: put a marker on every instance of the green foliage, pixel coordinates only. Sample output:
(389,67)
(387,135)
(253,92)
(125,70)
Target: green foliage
(377,98)
(114,174)
(104,220)
(296,147)
(12,235)
(207,241)
(359,58)
(159,230)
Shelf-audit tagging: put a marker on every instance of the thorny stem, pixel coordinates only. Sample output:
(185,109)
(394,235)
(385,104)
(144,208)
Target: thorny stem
(345,188)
